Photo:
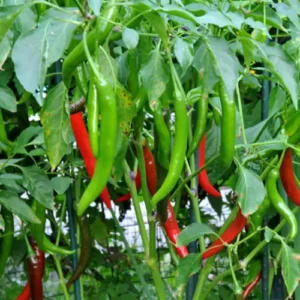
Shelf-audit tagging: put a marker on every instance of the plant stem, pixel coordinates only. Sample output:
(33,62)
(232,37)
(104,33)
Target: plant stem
(61,277)
(241,112)
(137,208)
(151,258)
(139,270)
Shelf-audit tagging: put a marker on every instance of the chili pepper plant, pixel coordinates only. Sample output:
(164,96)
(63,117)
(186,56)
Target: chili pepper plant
(182,109)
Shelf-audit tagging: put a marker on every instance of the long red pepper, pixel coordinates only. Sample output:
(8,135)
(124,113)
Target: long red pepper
(172,230)
(203,177)
(250,287)
(36,265)
(170,225)
(228,236)
(288,178)
(83,142)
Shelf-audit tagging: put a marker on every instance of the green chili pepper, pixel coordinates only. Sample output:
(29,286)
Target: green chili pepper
(163,135)
(227,128)
(38,232)
(257,219)
(93,118)
(133,80)
(100,33)
(81,80)
(180,141)
(279,204)
(8,240)
(108,136)
(202,109)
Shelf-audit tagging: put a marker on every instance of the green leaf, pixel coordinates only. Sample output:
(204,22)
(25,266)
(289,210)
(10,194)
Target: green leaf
(215,18)
(187,266)
(178,12)
(5,47)
(130,38)
(204,64)
(38,185)
(7,99)
(126,109)
(277,100)
(13,203)
(121,151)
(24,138)
(268,234)
(192,233)
(154,75)
(290,268)
(159,25)
(226,63)
(99,231)
(36,50)
(248,47)
(7,18)
(60,184)
(9,162)
(282,67)
(272,19)
(56,124)
(95,6)
(250,190)
(184,54)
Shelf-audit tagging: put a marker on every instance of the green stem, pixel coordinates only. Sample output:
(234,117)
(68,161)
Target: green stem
(235,282)
(61,277)
(151,257)
(241,112)
(137,208)
(137,267)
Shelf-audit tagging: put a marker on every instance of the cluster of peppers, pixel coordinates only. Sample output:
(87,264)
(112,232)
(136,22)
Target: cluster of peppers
(98,153)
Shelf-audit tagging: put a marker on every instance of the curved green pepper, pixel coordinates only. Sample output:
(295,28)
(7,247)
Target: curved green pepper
(93,118)
(180,142)
(279,204)
(38,232)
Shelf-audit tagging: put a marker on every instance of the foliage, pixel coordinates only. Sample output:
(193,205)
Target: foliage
(154,51)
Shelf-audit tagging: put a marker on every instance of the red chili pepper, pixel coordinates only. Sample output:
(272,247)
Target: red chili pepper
(288,178)
(203,177)
(127,196)
(36,265)
(170,225)
(150,169)
(172,230)
(250,287)
(228,236)
(83,142)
